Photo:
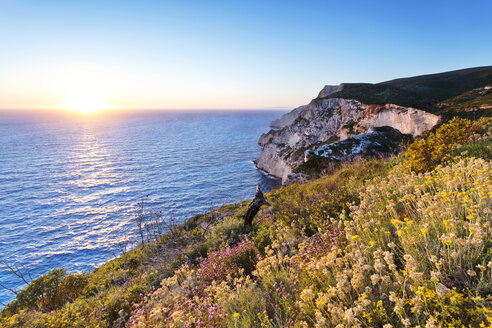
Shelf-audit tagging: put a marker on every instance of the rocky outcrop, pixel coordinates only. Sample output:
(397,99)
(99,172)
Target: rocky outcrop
(287,119)
(300,178)
(330,89)
(290,117)
(327,120)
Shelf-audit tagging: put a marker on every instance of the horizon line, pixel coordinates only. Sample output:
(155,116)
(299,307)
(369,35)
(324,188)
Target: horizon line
(149,109)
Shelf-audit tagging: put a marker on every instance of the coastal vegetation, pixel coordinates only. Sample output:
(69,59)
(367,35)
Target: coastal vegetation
(403,241)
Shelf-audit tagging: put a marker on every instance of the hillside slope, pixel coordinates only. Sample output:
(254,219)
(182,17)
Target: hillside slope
(420,91)
(402,242)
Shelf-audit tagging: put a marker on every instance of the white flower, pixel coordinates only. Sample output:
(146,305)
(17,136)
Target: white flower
(307,295)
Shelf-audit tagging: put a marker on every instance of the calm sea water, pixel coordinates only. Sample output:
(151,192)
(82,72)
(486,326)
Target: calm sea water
(69,185)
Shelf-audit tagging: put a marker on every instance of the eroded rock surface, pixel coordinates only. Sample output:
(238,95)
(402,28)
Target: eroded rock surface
(327,120)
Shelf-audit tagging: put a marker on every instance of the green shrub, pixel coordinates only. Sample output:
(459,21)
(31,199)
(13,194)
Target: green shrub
(224,232)
(477,149)
(425,154)
(51,291)
(262,239)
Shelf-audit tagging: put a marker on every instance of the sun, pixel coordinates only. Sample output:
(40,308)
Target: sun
(85,102)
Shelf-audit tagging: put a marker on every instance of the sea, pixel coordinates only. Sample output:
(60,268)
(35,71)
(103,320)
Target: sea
(71,185)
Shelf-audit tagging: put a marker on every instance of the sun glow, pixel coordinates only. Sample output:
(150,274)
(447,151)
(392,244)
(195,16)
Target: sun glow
(85,102)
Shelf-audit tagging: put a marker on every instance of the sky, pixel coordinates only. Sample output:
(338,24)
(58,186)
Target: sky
(226,54)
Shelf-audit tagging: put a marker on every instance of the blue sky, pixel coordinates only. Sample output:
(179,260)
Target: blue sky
(227,54)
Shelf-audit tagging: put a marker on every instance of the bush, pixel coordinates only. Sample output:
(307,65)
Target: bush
(51,291)
(306,207)
(262,239)
(425,154)
(477,149)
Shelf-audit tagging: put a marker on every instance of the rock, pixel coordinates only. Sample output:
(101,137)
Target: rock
(287,119)
(405,119)
(290,117)
(442,290)
(328,120)
(296,178)
(330,89)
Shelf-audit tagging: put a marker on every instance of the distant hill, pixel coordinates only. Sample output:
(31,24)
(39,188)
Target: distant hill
(471,104)
(422,91)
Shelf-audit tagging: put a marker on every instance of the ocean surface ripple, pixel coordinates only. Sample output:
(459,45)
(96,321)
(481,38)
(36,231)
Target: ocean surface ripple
(69,185)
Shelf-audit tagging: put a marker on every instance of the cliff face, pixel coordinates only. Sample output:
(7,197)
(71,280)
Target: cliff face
(327,120)
(287,119)
(290,117)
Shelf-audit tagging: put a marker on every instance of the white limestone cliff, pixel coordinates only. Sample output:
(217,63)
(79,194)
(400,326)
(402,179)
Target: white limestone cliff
(290,117)
(287,118)
(328,120)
